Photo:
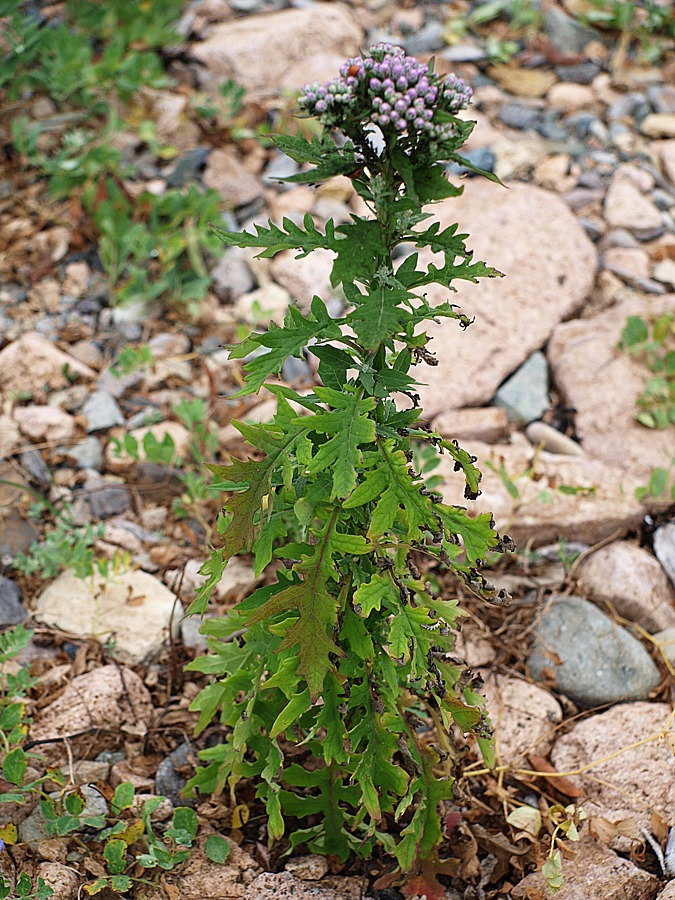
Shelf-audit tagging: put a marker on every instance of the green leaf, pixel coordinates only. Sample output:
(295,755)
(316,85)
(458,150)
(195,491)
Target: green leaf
(301,150)
(552,872)
(635,331)
(217,848)
(297,332)
(446,241)
(74,804)
(477,532)
(422,835)
(331,795)
(371,594)
(296,706)
(389,481)
(374,741)
(377,315)
(23,885)
(43,889)
(115,855)
(331,164)
(467,164)
(185,820)
(361,252)
(431,184)
(333,364)
(274,239)
(658,482)
(348,426)
(14,766)
(123,797)
(255,477)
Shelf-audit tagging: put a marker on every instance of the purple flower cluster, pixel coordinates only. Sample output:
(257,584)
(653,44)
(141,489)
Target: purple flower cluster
(391,90)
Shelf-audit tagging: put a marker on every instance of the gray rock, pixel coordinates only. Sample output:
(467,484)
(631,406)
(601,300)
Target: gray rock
(105,499)
(188,167)
(34,828)
(281,166)
(626,106)
(581,123)
(579,73)
(593,228)
(482,157)
(295,369)
(231,276)
(464,53)
(662,199)
(662,97)
(550,128)
(118,386)
(16,536)
(88,454)
(168,780)
(566,34)
(102,412)
(647,285)
(516,116)
(524,395)
(190,634)
(593,660)
(429,38)
(11,609)
(36,467)
(664,548)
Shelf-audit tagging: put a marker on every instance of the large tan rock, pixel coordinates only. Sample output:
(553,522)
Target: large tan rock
(225,174)
(95,712)
(10,438)
(258,51)
(134,608)
(626,206)
(595,873)
(666,151)
(632,580)
(63,881)
(201,879)
(45,423)
(602,500)
(637,777)
(603,385)
(282,885)
(489,424)
(668,893)
(303,278)
(523,715)
(510,230)
(31,362)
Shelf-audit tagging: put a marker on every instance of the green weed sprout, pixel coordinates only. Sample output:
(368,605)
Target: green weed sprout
(336,679)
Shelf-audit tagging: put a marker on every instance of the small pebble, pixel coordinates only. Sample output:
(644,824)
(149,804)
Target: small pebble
(541,434)
(12,611)
(521,117)
(88,454)
(580,73)
(102,412)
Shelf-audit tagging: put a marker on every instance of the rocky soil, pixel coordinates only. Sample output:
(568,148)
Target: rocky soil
(579,669)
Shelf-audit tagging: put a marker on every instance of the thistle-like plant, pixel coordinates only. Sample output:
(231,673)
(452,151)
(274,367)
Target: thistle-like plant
(336,681)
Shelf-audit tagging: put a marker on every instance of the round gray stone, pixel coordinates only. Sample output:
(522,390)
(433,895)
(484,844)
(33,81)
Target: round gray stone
(593,660)
(11,609)
(664,548)
(524,396)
